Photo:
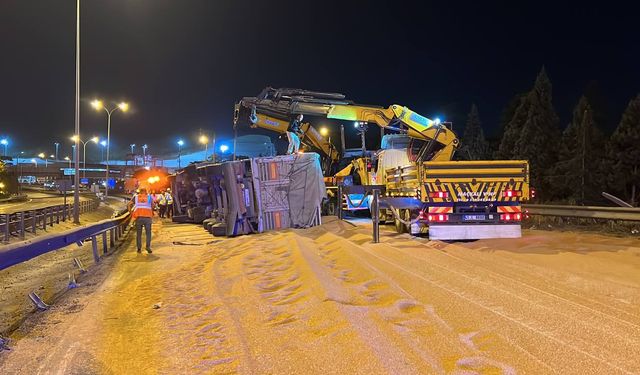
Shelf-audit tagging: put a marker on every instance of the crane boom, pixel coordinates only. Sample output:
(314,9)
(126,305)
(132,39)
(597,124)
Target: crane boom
(282,104)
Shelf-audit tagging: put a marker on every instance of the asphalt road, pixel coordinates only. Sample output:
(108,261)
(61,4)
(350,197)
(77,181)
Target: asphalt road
(37,200)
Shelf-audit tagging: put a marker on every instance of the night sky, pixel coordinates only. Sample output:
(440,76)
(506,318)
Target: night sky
(183,63)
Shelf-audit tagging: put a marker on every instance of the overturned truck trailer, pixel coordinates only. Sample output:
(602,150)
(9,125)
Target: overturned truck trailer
(252,195)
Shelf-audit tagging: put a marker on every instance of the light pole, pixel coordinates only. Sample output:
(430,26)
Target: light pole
(43,156)
(205,141)
(144,154)
(180,144)
(213,157)
(84,151)
(68,159)
(57,145)
(76,178)
(5,143)
(98,105)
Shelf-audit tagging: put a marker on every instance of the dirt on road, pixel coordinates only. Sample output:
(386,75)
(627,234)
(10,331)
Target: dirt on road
(326,300)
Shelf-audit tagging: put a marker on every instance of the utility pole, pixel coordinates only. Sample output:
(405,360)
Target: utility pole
(584,146)
(76,190)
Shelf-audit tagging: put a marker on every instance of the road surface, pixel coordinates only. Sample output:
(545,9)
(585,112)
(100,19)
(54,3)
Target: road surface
(326,300)
(36,201)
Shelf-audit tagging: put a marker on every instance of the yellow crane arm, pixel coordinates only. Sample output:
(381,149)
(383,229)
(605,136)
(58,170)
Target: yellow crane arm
(310,136)
(417,126)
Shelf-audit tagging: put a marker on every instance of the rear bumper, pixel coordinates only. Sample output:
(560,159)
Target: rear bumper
(474,232)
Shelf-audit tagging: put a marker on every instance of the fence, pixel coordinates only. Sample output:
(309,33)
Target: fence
(110,229)
(591,212)
(19,223)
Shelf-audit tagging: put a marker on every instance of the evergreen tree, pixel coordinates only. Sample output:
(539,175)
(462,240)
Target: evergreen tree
(624,154)
(510,127)
(532,133)
(576,176)
(474,144)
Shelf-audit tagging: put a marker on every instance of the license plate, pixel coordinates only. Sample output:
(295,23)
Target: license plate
(473,217)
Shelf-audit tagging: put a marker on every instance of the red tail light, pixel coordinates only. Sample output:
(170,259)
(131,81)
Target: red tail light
(511,193)
(438,218)
(438,194)
(511,217)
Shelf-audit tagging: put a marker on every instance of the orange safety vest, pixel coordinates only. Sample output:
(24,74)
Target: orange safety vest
(142,206)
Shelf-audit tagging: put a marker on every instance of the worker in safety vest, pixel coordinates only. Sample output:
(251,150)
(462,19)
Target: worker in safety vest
(169,199)
(161,200)
(142,212)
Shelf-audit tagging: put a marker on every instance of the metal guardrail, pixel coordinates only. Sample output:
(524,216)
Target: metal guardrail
(22,251)
(592,212)
(20,222)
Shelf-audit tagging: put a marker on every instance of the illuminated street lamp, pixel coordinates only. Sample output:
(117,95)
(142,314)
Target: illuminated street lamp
(205,141)
(180,144)
(84,151)
(144,154)
(5,143)
(98,105)
(224,148)
(43,156)
(68,159)
(324,131)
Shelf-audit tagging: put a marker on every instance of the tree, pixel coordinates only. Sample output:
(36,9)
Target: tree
(474,144)
(624,153)
(532,133)
(576,176)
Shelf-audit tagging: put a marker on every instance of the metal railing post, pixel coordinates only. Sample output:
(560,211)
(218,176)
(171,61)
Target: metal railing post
(33,221)
(94,248)
(22,224)
(112,240)
(339,202)
(7,222)
(104,242)
(375,215)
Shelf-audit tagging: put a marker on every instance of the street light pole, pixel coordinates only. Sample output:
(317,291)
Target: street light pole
(180,144)
(5,143)
(57,145)
(144,154)
(122,106)
(76,191)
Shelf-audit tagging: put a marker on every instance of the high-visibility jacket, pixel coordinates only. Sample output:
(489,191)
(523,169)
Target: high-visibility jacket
(161,199)
(142,206)
(169,198)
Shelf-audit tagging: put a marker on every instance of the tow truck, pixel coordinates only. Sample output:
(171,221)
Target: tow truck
(426,192)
